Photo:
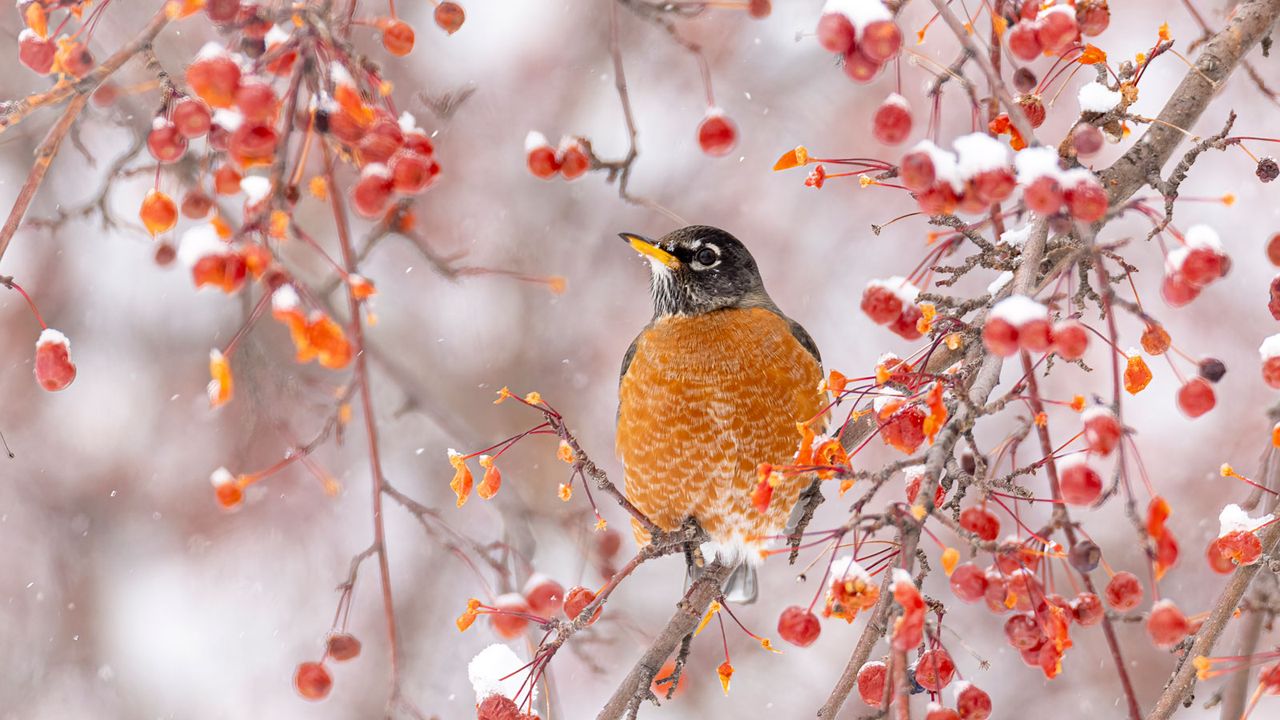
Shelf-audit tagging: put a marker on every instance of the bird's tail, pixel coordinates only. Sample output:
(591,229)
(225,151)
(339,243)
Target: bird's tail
(742,587)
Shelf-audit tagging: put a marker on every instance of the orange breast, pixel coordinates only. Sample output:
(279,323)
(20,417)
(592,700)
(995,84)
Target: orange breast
(705,400)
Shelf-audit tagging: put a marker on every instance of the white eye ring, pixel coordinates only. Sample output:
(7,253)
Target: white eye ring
(706,256)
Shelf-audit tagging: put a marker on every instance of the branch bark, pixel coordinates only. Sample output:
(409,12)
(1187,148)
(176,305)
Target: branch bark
(1222,53)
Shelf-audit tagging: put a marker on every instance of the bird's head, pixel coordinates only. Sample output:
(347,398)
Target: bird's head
(698,269)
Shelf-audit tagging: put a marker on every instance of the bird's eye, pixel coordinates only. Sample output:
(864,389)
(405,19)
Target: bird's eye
(706,256)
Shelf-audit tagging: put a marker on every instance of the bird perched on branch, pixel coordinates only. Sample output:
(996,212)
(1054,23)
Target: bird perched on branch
(713,387)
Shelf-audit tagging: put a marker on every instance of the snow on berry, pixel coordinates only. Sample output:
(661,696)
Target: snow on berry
(1016,320)
(1270,352)
(53,368)
(1166,624)
(850,591)
(860,13)
(496,670)
(1098,98)
(1234,518)
(979,153)
(884,300)
(892,121)
(540,156)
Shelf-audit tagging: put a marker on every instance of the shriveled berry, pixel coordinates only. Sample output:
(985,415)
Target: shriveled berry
(196,204)
(54,369)
(1093,16)
(35,52)
(1033,107)
(1024,81)
(1155,340)
(1124,591)
(74,59)
(799,626)
(498,707)
(1267,169)
(343,646)
(1212,369)
(312,681)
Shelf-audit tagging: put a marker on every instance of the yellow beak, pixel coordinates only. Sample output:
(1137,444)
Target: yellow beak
(646,247)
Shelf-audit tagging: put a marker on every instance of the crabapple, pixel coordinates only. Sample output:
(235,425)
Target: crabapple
(717,134)
(968,582)
(799,626)
(343,646)
(1124,591)
(312,681)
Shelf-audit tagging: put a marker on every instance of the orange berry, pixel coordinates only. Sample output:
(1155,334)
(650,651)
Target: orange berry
(158,212)
(449,16)
(312,681)
(397,37)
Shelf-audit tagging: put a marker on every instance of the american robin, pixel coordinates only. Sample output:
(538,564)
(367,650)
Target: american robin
(711,388)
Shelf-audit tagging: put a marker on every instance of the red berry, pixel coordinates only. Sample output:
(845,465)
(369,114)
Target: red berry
(835,32)
(980,522)
(253,143)
(1087,201)
(968,582)
(972,703)
(222,11)
(1080,484)
(1087,609)
(1271,371)
(935,669)
(1166,624)
(1036,335)
(997,590)
(871,679)
(312,681)
(544,595)
(509,626)
(36,52)
(1176,291)
(397,37)
(1196,397)
(1023,632)
(608,543)
(1024,42)
(165,143)
(74,59)
(1000,337)
(907,326)
(938,199)
(880,40)
(915,476)
(1070,340)
(540,156)
(1043,195)
(1101,429)
(191,117)
(215,79)
(1201,266)
(759,9)
(1025,588)
(343,646)
(1273,249)
(1057,29)
(53,368)
(881,303)
(1124,592)
(573,160)
(993,186)
(716,133)
(257,101)
(372,193)
(449,16)
(411,173)
(799,626)
(576,600)
(917,172)
(859,67)
(892,122)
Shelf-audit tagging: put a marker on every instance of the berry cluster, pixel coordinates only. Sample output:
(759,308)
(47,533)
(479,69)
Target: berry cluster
(1055,29)
(569,160)
(892,302)
(862,33)
(1192,267)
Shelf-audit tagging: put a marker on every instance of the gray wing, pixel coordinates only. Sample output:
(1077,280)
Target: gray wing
(802,336)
